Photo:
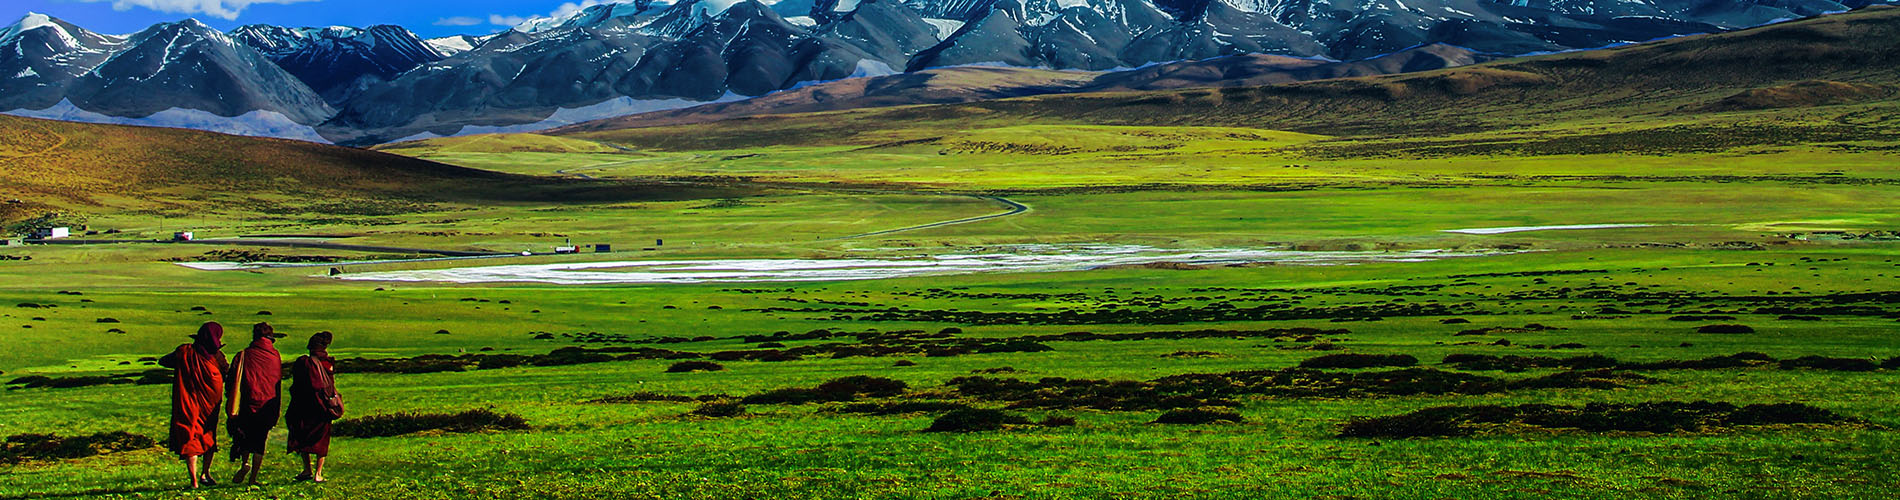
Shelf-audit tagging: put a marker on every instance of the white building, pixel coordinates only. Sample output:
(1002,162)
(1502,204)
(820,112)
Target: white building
(53,233)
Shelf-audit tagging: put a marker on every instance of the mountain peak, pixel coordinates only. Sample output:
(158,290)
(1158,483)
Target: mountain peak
(30,21)
(194,23)
(188,25)
(33,20)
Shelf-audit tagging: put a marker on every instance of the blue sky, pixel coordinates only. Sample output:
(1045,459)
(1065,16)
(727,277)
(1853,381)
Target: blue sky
(429,18)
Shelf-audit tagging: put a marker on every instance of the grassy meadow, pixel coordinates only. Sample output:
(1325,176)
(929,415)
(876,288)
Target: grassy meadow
(1774,238)
(1761,270)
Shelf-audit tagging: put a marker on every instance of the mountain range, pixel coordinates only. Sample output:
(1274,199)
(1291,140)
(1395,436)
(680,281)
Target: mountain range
(384,83)
(1758,87)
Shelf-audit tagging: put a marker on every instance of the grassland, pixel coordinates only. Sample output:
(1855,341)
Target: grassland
(1781,220)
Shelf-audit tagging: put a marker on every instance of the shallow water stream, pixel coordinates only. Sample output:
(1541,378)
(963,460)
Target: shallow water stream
(1028,258)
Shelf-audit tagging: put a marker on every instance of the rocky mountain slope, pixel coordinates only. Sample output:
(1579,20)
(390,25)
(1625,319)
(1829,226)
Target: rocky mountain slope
(184,70)
(978,83)
(1850,59)
(340,62)
(383,83)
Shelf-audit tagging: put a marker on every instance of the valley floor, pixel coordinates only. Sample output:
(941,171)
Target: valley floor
(1760,274)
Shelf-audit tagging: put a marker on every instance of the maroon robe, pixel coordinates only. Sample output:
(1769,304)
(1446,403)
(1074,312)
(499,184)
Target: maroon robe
(255,396)
(197,390)
(308,423)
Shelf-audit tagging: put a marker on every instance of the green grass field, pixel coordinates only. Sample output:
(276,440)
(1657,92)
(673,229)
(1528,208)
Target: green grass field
(1782,221)
(1708,255)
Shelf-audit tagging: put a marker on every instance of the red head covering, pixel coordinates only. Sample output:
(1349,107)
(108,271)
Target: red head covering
(320,342)
(262,330)
(210,336)
(197,391)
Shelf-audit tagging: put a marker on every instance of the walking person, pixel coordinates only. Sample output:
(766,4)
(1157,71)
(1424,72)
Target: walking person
(197,389)
(252,391)
(314,403)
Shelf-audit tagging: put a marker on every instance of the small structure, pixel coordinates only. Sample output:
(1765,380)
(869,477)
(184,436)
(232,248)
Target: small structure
(603,248)
(53,233)
(10,242)
(183,236)
(567,249)
(659,242)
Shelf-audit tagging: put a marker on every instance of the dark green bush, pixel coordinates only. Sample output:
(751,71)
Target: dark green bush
(396,424)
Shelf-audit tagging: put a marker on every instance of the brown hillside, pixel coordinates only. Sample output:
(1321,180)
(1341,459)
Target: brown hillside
(1653,79)
(46,163)
(1800,95)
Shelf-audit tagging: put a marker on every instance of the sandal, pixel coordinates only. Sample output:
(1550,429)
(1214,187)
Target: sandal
(302,477)
(207,481)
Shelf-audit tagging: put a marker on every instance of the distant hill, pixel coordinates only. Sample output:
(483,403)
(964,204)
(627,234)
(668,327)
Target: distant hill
(1837,59)
(46,164)
(381,84)
(496,143)
(979,83)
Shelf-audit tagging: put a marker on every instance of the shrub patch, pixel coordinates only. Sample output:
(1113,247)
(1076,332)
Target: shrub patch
(975,420)
(1654,417)
(23,447)
(720,409)
(1359,361)
(396,424)
(694,366)
(1198,416)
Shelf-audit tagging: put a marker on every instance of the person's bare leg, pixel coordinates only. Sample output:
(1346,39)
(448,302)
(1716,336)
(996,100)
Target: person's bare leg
(257,464)
(318,477)
(204,467)
(306,467)
(242,465)
(191,469)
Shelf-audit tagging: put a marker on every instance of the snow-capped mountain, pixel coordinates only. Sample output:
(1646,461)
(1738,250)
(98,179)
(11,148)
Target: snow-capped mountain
(383,83)
(41,56)
(184,65)
(451,45)
(339,61)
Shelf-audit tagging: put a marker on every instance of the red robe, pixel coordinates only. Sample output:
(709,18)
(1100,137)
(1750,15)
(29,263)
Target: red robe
(197,390)
(263,373)
(308,424)
(254,398)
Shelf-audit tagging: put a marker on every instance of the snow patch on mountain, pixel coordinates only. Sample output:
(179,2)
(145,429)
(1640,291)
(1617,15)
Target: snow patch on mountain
(589,11)
(33,21)
(611,108)
(258,123)
(872,67)
(449,46)
(945,27)
(708,9)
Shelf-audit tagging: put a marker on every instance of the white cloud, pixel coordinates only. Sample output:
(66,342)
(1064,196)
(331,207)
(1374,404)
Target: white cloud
(224,9)
(571,8)
(564,11)
(458,21)
(501,20)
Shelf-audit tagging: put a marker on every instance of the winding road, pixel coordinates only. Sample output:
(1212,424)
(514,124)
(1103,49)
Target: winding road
(1014,209)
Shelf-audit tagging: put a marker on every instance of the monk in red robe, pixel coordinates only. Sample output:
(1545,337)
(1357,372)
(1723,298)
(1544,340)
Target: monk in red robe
(252,391)
(312,408)
(197,390)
